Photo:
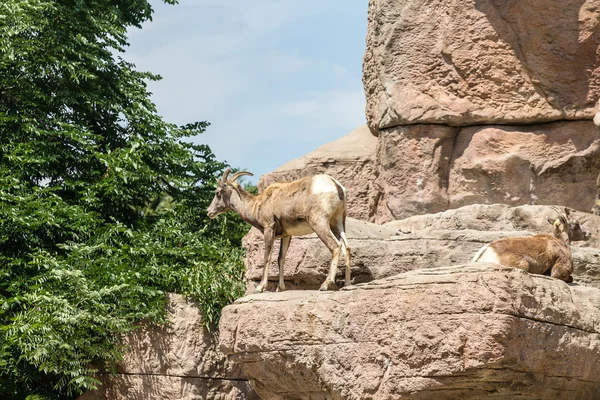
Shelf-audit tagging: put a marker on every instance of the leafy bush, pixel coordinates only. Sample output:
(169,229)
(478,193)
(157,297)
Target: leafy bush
(102,203)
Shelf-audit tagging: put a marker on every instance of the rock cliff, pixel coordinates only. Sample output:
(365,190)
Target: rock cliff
(479,62)
(462,332)
(178,361)
(483,112)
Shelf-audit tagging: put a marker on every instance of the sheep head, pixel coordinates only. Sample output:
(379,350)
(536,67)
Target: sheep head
(225,188)
(569,226)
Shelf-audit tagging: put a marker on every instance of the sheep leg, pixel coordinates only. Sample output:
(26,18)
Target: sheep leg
(324,233)
(348,257)
(338,230)
(283,248)
(269,237)
(562,269)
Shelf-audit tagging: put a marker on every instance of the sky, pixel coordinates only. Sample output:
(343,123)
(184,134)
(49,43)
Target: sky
(275,78)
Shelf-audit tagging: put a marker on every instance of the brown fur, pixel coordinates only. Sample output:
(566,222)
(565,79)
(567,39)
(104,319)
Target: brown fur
(541,253)
(284,210)
(538,254)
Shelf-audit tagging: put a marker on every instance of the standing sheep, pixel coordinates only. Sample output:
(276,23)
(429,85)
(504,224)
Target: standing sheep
(312,204)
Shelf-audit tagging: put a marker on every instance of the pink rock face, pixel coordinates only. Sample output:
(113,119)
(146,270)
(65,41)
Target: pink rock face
(461,332)
(481,61)
(431,168)
(414,164)
(427,168)
(350,159)
(553,163)
(177,361)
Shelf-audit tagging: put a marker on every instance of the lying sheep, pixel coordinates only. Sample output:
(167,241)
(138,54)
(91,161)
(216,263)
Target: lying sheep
(538,254)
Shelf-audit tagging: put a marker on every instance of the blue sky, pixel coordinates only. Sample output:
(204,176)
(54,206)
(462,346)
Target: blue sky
(275,78)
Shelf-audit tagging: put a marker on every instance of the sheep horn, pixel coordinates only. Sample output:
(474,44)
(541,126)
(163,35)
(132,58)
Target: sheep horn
(225,175)
(238,174)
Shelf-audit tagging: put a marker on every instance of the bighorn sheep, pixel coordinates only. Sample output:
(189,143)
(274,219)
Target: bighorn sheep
(538,254)
(312,204)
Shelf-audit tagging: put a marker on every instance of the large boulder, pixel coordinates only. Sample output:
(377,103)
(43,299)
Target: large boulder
(431,168)
(433,240)
(350,159)
(463,332)
(481,61)
(178,361)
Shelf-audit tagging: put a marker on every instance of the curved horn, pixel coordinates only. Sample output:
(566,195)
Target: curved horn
(558,211)
(561,217)
(225,175)
(561,213)
(239,174)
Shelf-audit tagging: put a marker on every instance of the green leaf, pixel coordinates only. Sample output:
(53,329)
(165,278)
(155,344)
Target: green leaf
(102,202)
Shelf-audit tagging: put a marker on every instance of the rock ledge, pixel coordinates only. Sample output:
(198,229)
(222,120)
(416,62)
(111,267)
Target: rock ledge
(466,332)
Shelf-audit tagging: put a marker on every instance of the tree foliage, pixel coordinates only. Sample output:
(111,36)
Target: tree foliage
(102,203)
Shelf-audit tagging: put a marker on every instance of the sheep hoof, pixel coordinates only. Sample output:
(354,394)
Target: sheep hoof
(280,288)
(259,289)
(328,285)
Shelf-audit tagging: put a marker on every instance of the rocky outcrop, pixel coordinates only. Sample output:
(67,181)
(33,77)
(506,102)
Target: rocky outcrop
(431,168)
(481,62)
(350,159)
(497,217)
(483,114)
(178,361)
(463,332)
(450,87)
(424,241)
(427,168)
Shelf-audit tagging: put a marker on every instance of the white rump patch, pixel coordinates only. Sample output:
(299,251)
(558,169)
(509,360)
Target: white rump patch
(489,255)
(322,184)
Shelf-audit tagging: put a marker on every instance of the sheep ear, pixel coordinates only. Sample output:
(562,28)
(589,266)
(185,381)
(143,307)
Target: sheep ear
(552,221)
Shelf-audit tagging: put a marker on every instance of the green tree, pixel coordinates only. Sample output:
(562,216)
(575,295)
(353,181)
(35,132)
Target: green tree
(102,203)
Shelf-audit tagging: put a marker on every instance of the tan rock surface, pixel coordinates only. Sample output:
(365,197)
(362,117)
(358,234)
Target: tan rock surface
(541,164)
(463,332)
(178,361)
(165,387)
(431,168)
(433,240)
(350,159)
(496,217)
(414,164)
(481,61)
